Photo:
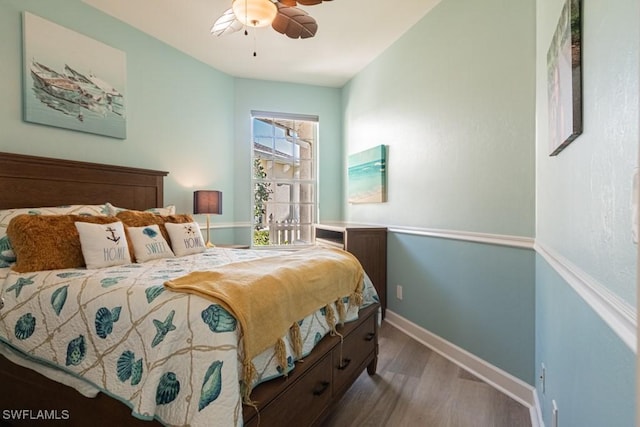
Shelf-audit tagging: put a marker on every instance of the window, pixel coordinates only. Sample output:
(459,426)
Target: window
(284,178)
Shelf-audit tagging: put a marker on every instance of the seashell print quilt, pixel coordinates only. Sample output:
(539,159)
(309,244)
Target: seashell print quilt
(169,356)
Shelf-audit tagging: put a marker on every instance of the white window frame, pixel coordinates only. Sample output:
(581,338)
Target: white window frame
(286,235)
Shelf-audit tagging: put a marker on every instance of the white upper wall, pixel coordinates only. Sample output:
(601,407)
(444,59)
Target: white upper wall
(583,195)
(454,102)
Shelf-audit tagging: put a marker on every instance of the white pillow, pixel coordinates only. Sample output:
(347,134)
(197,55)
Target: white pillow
(148,243)
(185,238)
(167,210)
(103,245)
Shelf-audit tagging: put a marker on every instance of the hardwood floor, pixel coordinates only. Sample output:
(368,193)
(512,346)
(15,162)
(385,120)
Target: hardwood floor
(417,387)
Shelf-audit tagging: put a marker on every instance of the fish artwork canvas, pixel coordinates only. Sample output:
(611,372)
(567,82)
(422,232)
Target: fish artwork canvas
(72,81)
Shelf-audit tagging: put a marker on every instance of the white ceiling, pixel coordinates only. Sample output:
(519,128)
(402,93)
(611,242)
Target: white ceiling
(351,33)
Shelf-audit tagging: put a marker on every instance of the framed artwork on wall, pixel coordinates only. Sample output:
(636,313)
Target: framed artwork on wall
(564,79)
(368,176)
(72,81)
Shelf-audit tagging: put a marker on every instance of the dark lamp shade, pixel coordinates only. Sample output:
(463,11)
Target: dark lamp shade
(207,202)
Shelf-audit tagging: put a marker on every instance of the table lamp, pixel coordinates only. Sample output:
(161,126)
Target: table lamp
(207,202)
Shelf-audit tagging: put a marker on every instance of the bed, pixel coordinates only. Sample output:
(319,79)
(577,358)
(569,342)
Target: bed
(316,375)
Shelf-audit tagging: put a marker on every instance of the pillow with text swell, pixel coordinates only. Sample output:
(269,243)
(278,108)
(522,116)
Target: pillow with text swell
(140,219)
(148,243)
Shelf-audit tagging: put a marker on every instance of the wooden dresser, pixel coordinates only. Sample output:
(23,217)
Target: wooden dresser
(367,243)
(317,382)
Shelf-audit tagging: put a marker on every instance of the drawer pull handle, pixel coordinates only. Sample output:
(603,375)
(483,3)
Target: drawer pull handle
(343,365)
(324,385)
(370,336)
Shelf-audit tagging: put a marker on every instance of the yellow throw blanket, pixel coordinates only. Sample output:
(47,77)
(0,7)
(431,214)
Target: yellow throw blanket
(269,295)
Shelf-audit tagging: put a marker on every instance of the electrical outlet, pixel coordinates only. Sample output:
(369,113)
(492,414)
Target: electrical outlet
(554,414)
(399,292)
(543,378)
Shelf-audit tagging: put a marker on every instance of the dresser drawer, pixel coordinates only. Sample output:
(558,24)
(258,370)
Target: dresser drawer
(347,359)
(313,392)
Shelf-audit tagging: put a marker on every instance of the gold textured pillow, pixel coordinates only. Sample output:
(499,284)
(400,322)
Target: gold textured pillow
(48,242)
(7,256)
(140,219)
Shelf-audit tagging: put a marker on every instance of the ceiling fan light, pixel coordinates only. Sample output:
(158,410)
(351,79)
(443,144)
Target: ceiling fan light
(255,13)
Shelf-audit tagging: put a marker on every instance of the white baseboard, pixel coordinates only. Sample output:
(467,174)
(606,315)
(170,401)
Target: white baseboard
(508,384)
(536,412)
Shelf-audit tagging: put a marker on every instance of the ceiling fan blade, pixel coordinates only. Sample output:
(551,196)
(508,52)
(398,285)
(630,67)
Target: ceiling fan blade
(294,3)
(294,23)
(226,24)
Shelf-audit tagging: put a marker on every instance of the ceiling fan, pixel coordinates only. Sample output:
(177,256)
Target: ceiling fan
(282,15)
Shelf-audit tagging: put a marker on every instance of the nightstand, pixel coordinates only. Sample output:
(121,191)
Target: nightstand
(367,243)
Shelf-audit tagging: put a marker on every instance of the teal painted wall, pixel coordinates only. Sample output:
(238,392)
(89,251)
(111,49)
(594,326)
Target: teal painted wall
(583,213)
(178,109)
(477,296)
(453,100)
(297,99)
(589,370)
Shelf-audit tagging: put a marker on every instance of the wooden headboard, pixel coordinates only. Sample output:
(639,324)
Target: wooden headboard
(29,181)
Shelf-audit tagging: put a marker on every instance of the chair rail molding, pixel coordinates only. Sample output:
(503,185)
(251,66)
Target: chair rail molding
(468,236)
(618,314)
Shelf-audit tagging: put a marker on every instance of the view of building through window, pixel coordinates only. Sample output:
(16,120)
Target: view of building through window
(284,178)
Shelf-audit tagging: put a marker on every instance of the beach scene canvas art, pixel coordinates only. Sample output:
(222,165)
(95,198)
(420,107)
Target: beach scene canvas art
(72,81)
(368,176)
